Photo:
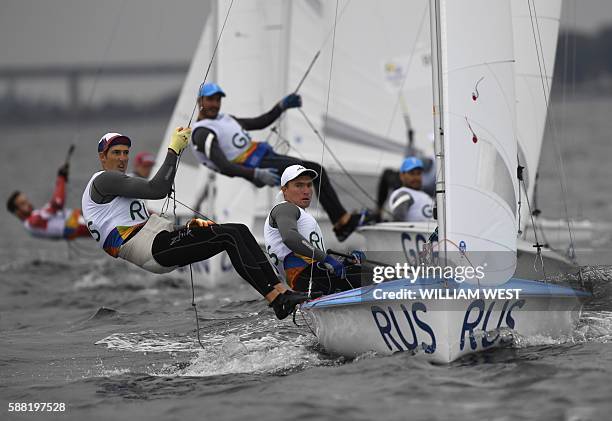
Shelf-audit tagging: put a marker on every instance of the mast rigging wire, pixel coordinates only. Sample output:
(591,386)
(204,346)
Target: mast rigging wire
(331,66)
(546,87)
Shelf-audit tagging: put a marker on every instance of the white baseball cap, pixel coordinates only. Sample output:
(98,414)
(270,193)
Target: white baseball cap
(294,171)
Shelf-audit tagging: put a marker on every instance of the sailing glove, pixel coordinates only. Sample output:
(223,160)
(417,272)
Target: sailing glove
(291,101)
(268,176)
(334,266)
(180,139)
(358,256)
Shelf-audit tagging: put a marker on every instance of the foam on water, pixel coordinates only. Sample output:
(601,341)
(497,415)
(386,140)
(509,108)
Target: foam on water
(268,354)
(255,343)
(223,354)
(594,326)
(148,342)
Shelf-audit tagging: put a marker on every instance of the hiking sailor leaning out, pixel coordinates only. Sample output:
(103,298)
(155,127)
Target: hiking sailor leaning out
(294,241)
(118,220)
(52,221)
(223,144)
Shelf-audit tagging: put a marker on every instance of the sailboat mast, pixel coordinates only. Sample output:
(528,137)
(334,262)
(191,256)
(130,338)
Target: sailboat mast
(438,103)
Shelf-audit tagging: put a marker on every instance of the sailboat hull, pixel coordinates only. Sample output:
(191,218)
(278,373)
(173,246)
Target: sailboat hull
(409,238)
(442,329)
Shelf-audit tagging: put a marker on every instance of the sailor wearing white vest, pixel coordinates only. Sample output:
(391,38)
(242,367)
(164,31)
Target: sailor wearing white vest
(409,203)
(222,143)
(118,220)
(294,241)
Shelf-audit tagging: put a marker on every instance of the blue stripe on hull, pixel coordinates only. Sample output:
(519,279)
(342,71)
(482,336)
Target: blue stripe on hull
(364,294)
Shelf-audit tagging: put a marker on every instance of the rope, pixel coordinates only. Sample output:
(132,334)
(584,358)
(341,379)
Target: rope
(331,31)
(195,308)
(331,66)
(211,59)
(178,161)
(328,149)
(282,141)
(545,86)
(305,322)
(195,212)
(276,128)
(537,245)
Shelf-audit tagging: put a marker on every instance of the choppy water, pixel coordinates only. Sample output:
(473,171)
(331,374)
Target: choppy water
(114,342)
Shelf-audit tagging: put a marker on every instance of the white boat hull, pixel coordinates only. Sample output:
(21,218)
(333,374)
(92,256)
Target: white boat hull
(355,322)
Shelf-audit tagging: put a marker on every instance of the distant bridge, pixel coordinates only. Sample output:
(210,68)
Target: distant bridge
(74,73)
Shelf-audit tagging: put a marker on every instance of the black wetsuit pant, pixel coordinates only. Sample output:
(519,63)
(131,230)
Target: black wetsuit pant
(328,197)
(326,283)
(190,245)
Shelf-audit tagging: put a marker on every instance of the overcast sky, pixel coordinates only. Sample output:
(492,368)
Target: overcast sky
(39,32)
(60,31)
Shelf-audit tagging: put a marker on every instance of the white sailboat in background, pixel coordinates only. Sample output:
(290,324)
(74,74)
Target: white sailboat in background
(530,55)
(474,96)
(534,70)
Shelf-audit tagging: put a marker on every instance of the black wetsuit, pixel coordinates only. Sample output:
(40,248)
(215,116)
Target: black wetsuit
(184,246)
(328,197)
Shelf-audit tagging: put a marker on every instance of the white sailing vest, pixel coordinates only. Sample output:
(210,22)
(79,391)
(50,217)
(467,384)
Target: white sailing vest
(277,250)
(111,223)
(421,209)
(234,141)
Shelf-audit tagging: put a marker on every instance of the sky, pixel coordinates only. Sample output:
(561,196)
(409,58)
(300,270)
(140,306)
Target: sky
(59,31)
(43,32)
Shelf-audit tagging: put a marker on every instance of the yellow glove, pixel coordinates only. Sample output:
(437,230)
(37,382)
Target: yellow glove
(179,139)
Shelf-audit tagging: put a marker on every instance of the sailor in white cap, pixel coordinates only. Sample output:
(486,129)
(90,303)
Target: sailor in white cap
(294,241)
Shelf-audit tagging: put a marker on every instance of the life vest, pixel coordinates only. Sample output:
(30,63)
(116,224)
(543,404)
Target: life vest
(421,208)
(288,263)
(110,224)
(234,141)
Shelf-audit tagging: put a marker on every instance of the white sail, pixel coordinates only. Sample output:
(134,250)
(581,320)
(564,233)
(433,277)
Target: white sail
(248,73)
(265,51)
(536,28)
(363,123)
(477,75)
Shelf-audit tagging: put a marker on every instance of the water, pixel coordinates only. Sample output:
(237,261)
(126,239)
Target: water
(113,342)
